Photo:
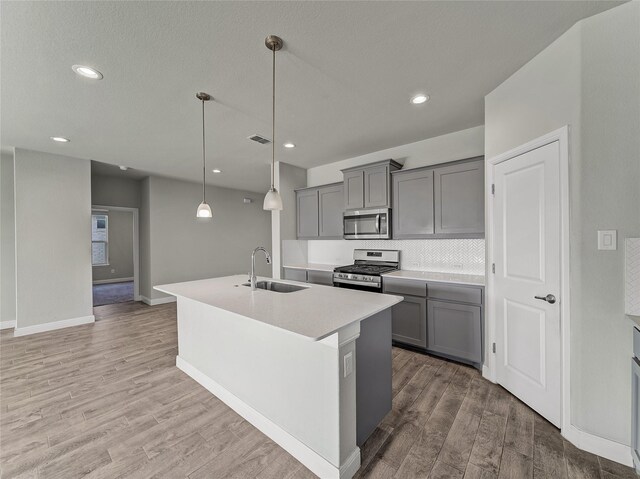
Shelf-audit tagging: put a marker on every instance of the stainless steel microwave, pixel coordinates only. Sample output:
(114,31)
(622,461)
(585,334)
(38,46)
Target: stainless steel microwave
(367,224)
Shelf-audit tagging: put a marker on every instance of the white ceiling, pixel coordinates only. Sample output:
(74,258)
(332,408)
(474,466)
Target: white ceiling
(345,77)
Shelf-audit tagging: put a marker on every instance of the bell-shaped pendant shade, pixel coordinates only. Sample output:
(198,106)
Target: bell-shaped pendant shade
(272,200)
(204,211)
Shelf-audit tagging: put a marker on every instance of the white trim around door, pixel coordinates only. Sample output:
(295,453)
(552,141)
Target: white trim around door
(136,245)
(489,370)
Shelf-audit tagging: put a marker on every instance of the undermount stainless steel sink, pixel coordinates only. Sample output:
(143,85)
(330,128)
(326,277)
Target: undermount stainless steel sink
(277,287)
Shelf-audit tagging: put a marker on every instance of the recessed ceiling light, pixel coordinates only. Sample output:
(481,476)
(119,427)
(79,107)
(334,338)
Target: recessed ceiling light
(289,145)
(420,98)
(124,168)
(216,170)
(87,72)
(60,139)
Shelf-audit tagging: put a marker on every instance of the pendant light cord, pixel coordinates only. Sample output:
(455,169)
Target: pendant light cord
(273,122)
(204,168)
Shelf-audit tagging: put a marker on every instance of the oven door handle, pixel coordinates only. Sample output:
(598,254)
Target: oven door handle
(357,283)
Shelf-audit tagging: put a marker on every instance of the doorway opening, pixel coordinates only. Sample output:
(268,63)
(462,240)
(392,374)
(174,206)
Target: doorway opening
(114,254)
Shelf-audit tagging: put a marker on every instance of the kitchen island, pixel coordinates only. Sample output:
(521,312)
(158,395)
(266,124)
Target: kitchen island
(310,368)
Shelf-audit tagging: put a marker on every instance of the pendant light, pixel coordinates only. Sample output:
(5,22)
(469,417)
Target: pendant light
(204,211)
(272,200)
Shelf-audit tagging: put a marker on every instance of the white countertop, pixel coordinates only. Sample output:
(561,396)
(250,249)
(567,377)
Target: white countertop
(312,266)
(457,278)
(315,312)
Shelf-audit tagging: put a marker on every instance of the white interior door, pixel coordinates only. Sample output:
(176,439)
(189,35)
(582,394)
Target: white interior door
(526,212)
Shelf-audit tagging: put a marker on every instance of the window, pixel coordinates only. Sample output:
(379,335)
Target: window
(99,239)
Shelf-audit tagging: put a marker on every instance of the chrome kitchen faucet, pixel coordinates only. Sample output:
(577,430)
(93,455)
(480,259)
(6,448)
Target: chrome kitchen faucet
(252,279)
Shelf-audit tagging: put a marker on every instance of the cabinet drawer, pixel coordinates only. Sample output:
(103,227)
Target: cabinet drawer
(294,274)
(320,277)
(405,286)
(448,292)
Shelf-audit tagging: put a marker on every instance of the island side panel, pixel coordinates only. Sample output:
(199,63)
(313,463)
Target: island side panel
(291,380)
(373,368)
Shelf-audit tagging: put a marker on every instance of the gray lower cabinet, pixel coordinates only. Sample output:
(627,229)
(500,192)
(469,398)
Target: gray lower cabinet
(295,274)
(413,204)
(409,323)
(441,318)
(459,198)
(308,276)
(307,213)
(455,329)
(320,277)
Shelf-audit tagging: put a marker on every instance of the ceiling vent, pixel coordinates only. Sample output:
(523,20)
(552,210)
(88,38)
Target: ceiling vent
(259,139)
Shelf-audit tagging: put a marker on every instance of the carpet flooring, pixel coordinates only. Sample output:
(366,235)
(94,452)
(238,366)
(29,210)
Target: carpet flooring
(112,293)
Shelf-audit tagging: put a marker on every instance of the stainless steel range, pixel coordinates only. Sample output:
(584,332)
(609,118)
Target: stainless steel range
(367,270)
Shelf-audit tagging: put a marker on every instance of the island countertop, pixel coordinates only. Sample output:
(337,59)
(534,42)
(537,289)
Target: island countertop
(314,312)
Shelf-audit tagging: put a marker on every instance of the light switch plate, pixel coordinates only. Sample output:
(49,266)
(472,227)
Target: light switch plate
(607,240)
(348,364)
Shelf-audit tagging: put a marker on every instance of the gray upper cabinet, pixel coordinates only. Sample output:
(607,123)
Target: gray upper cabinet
(368,186)
(376,187)
(319,212)
(459,199)
(354,190)
(413,204)
(307,213)
(331,207)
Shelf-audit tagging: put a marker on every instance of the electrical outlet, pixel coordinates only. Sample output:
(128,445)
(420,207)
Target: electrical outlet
(458,266)
(113,270)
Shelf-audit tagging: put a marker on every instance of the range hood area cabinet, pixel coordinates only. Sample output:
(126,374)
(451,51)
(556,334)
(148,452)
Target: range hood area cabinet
(369,186)
(445,201)
(319,212)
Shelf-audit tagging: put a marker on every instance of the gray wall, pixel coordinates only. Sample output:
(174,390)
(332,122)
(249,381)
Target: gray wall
(283,223)
(53,231)
(120,248)
(590,79)
(115,191)
(440,149)
(7,240)
(180,248)
(144,223)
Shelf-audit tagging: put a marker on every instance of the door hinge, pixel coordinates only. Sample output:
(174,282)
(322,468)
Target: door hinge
(493,268)
(493,188)
(494,348)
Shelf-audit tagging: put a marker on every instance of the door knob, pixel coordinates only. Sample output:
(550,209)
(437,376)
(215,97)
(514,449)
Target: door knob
(548,298)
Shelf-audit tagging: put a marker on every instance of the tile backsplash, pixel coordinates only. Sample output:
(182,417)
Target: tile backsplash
(439,255)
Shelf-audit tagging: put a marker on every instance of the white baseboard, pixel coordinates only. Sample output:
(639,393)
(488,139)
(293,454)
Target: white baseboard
(307,456)
(157,301)
(486,373)
(600,446)
(7,324)
(112,280)
(65,323)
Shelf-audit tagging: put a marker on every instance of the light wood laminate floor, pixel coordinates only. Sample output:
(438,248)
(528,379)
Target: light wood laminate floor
(106,401)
